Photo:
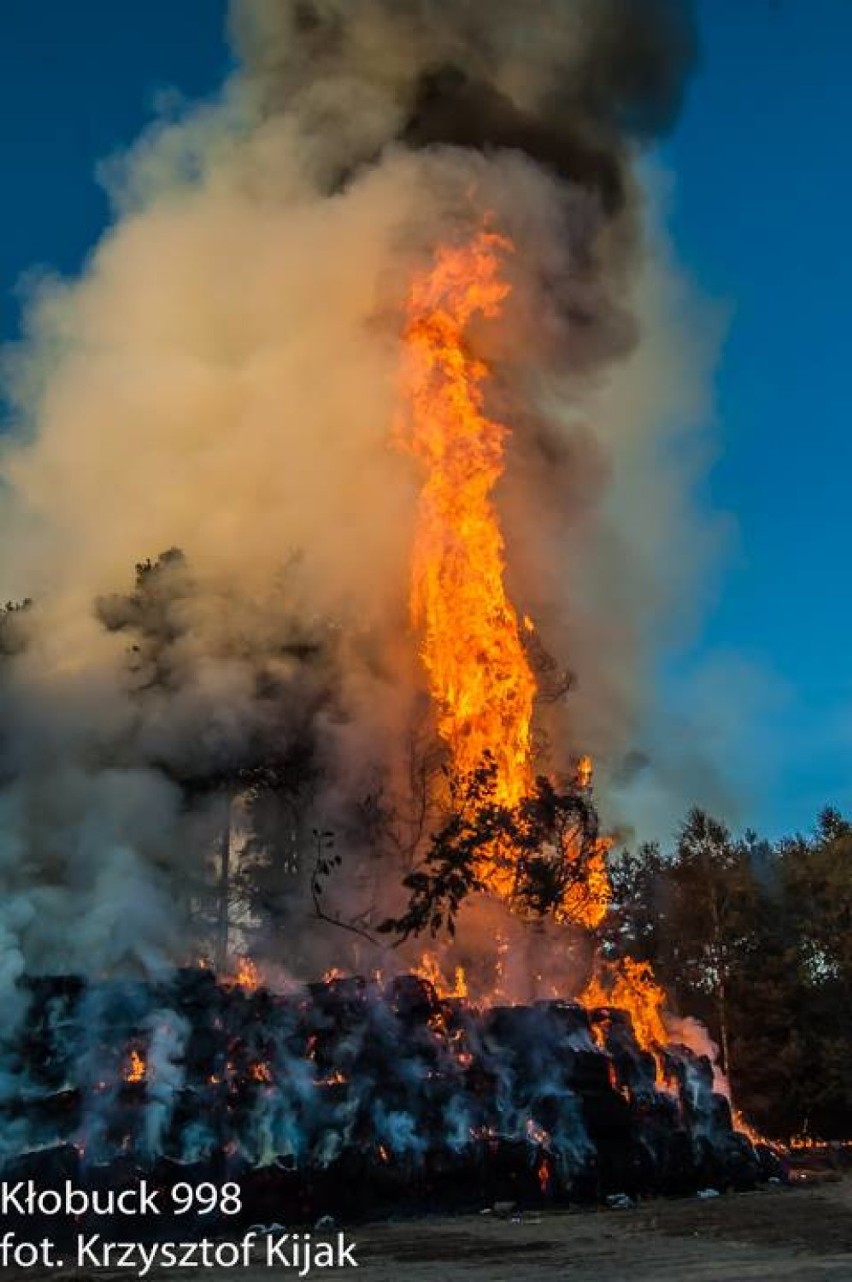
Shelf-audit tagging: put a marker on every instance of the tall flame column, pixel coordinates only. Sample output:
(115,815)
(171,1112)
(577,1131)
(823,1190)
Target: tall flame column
(479,674)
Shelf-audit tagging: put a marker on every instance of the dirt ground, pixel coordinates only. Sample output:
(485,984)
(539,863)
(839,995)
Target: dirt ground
(800,1233)
(768,1236)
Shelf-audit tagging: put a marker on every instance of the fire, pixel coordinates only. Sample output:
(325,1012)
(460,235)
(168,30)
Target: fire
(630,986)
(473,640)
(474,644)
(246,976)
(751,1133)
(135,1070)
(430,970)
(335,1078)
(584,772)
(537,1134)
(587,902)
(480,678)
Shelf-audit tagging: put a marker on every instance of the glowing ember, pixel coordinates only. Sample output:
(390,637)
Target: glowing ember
(537,1134)
(246,976)
(333,1079)
(135,1070)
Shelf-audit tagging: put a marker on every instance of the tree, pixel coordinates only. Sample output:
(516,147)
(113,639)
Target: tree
(709,910)
(816,876)
(263,751)
(14,616)
(12,626)
(637,920)
(539,851)
(755,940)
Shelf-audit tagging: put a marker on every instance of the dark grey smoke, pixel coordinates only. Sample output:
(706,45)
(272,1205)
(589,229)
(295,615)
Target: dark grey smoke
(454,110)
(564,81)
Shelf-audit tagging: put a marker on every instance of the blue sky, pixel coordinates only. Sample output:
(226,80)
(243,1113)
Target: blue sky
(760,216)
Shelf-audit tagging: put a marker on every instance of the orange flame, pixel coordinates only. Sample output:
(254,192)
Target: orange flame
(630,985)
(587,902)
(246,976)
(473,649)
(478,670)
(474,645)
(335,1078)
(135,1070)
(584,772)
(430,970)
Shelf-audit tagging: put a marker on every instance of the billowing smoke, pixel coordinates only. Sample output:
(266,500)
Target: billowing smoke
(222,379)
(567,83)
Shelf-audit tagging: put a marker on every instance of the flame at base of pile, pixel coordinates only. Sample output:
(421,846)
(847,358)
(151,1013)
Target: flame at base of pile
(429,1102)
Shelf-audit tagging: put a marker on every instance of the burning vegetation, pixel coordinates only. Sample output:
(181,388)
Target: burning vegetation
(480,676)
(358,1097)
(328,731)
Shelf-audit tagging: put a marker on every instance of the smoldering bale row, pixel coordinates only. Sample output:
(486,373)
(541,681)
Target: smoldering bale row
(353,1098)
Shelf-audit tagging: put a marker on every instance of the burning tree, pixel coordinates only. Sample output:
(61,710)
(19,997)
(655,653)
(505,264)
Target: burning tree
(540,851)
(509,831)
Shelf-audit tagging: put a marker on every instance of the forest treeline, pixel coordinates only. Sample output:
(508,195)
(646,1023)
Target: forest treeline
(755,939)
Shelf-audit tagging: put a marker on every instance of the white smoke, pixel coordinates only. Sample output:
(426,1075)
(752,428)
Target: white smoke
(222,379)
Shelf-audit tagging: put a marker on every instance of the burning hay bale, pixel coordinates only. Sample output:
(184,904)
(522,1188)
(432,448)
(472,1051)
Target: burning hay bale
(351,1097)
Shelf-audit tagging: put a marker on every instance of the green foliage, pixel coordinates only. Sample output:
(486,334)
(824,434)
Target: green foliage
(756,941)
(543,845)
(448,871)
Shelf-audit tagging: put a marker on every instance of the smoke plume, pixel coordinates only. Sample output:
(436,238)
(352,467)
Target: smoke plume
(222,379)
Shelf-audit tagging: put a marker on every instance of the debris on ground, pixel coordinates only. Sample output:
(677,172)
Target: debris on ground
(620,1202)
